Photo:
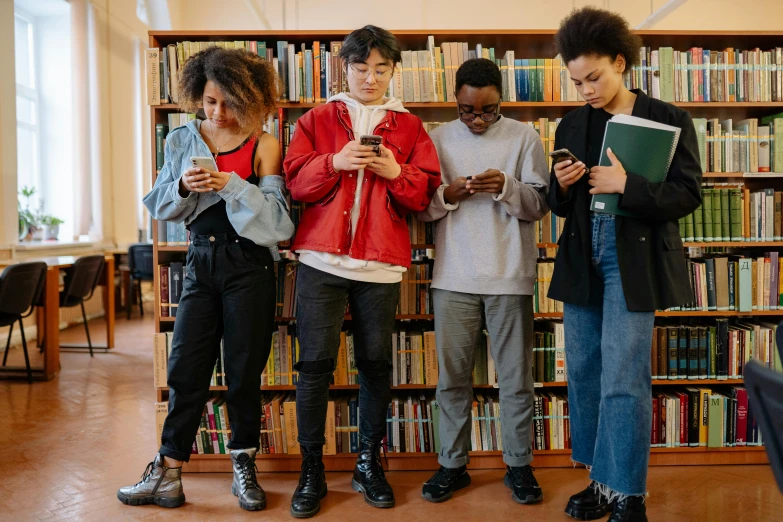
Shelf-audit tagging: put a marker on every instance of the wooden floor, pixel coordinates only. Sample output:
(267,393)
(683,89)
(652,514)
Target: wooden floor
(70,443)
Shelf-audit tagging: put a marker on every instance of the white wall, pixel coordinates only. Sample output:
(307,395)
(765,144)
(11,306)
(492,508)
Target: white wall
(463,14)
(8,213)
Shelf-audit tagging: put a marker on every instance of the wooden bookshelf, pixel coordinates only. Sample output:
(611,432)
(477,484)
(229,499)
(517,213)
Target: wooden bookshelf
(404,387)
(527,44)
(486,460)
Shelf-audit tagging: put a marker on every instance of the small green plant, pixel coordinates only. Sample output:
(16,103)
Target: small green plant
(51,221)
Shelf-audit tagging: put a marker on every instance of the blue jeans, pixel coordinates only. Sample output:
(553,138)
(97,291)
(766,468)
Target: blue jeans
(609,385)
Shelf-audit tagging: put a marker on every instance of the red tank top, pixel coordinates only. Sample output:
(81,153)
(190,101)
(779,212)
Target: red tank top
(241,160)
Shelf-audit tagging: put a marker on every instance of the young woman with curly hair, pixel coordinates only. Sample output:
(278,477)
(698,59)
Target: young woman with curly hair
(236,216)
(613,272)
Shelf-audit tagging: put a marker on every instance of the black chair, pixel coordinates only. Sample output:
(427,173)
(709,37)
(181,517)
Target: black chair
(140,267)
(80,282)
(21,287)
(765,392)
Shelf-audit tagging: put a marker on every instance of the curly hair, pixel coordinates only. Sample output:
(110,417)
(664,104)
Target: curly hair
(479,72)
(249,84)
(593,31)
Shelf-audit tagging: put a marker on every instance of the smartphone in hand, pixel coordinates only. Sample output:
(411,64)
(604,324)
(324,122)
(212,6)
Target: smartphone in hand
(564,154)
(204,162)
(372,140)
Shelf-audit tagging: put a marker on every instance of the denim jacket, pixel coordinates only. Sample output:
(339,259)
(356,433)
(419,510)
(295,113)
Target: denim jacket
(259,213)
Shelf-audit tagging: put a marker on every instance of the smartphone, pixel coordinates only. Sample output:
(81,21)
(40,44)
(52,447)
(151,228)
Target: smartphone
(564,154)
(373,141)
(204,162)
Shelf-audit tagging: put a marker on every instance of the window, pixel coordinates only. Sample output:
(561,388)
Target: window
(27,131)
(42,54)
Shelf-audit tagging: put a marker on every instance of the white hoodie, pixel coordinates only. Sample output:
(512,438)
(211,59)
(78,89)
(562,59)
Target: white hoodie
(364,120)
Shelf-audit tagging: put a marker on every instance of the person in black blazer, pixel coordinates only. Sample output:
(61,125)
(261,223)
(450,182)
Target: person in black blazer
(613,272)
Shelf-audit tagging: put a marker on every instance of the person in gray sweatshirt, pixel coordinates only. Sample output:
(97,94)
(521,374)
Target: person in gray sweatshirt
(495,179)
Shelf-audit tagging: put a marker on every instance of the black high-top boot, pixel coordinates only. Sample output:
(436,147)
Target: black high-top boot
(306,501)
(588,504)
(368,476)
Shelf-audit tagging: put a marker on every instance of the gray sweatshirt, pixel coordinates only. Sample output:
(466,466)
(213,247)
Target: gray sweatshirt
(486,244)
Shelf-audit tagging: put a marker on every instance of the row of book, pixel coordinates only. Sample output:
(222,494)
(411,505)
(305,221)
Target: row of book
(716,351)
(691,417)
(743,146)
(414,289)
(313,73)
(732,212)
(735,283)
(414,358)
(699,417)
(709,75)
(541,303)
(171,277)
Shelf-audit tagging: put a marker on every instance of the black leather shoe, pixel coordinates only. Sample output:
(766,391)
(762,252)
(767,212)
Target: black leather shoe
(523,484)
(444,483)
(629,509)
(588,504)
(368,476)
(306,501)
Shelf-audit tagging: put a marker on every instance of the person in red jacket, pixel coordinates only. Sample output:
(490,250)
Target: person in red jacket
(353,246)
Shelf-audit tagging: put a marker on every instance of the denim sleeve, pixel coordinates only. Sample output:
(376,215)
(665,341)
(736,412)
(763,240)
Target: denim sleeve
(163,201)
(259,213)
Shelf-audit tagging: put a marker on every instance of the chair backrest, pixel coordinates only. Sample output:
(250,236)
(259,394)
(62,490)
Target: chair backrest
(82,278)
(140,261)
(21,286)
(765,394)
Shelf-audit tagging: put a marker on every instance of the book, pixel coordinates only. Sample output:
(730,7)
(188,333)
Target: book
(644,147)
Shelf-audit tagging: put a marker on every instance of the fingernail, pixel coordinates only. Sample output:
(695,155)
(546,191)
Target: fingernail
(609,149)
(568,162)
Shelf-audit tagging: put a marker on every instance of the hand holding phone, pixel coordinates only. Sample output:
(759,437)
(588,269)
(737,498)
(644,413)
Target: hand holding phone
(568,169)
(354,156)
(196,180)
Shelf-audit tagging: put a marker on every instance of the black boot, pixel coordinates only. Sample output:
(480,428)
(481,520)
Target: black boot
(368,476)
(629,509)
(588,504)
(306,501)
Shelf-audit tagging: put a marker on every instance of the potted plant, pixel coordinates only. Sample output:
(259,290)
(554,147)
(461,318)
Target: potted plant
(51,227)
(31,219)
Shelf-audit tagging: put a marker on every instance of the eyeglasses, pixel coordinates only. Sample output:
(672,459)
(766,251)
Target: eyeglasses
(363,73)
(486,116)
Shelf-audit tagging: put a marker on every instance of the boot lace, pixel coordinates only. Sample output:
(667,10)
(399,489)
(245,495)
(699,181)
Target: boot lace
(147,473)
(249,470)
(311,471)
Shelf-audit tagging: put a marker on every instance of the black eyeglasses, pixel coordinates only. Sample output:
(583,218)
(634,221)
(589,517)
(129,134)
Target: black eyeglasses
(486,116)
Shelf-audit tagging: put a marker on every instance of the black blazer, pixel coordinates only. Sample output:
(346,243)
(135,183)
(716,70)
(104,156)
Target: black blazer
(649,248)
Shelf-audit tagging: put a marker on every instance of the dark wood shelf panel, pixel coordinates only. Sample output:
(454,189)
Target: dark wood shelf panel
(708,244)
(557,315)
(738,244)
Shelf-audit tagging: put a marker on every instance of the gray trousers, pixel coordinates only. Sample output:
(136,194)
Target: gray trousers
(509,321)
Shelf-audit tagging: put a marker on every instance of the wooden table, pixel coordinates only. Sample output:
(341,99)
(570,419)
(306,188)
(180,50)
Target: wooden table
(49,315)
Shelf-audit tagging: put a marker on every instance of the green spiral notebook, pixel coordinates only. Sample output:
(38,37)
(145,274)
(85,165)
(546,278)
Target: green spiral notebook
(644,147)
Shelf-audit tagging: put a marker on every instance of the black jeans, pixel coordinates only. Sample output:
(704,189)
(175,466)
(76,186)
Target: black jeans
(228,291)
(320,305)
